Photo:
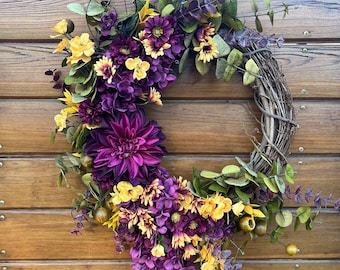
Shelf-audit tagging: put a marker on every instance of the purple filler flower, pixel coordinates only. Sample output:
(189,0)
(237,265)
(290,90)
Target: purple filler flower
(126,146)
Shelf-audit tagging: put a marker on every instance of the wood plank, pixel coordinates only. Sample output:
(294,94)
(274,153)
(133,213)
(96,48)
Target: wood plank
(320,19)
(219,128)
(37,178)
(24,66)
(35,231)
(108,265)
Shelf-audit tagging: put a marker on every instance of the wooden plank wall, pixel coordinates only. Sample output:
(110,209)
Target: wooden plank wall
(205,122)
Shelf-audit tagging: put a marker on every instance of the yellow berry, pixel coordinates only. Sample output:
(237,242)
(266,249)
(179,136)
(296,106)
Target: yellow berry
(102,214)
(292,249)
(247,223)
(261,227)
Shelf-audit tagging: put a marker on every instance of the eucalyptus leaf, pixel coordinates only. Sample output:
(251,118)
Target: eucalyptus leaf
(238,182)
(222,47)
(271,16)
(77,98)
(271,184)
(192,189)
(87,179)
(77,8)
(189,27)
(280,183)
(231,171)
(228,73)
(221,65)
(74,160)
(94,9)
(303,213)
(244,197)
(183,60)
(217,188)
(231,7)
(284,218)
(209,174)
(254,6)
(162,4)
(252,67)
(235,57)
(258,24)
(202,68)
(289,174)
(267,3)
(246,167)
(234,23)
(248,78)
(70,134)
(167,10)
(188,39)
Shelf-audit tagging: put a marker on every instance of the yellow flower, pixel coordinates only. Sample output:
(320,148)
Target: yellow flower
(61,28)
(238,208)
(124,192)
(253,212)
(146,13)
(189,251)
(207,50)
(81,48)
(215,207)
(68,101)
(179,239)
(195,240)
(155,96)
(138,66)
(105,68)
(114,219)
(60,120)
(61,46)
(152,50)
(158,251)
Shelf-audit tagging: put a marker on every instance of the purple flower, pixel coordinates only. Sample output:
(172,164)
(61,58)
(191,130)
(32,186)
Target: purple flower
(90,112)
(122,49)
(107,22)
(125,147)
(158,29)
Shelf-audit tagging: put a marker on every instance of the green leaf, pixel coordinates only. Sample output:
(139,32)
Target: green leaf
(236,24)
(162,4)
(221,65)
(60,180)
(77,8)
(303,213)
(258,24)
(296,224)
(235,57)
(222,47)
(70,134)
(189,27)
(267,3)
(188,38)
(87,179)
(196,183)
(231,171)
(248,78)
(74,160)
(280,183)
(254,6)
(289,174)
(217,188)
(271,184)
(209,174)
(274,237)
(274,205)
(228,73)
(231,8)
(202,68)
(246,167)
(77,98)
(216,21)
(239,182)
(242,195)
(284,218)
(53,136)
(271,16)
(183,60)
(192,189)
(252,67)
(94,9)
(167,10)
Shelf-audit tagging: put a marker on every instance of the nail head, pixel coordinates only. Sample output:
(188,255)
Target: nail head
(2,217)
(301,149)
(3,252)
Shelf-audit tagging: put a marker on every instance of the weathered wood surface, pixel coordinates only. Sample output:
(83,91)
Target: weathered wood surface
(122,265)
(205,125)
(319,18)
(42,235)
(37,178)
(211,127)
(302,70)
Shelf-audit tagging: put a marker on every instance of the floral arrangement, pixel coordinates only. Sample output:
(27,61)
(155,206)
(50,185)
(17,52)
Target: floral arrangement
(125,62)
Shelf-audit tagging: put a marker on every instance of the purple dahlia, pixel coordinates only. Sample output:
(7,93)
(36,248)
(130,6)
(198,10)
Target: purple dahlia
(127,146)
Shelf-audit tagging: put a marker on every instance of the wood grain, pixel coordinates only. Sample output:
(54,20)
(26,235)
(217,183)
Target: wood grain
(37,178)
(109,265)
(301,69)
(302,17)
(208,127)
(52,228)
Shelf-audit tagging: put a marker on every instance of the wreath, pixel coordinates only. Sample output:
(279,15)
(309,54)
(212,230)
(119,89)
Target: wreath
(125,62)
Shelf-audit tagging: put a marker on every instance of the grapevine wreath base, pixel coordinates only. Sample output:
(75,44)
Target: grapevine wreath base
(168,222)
